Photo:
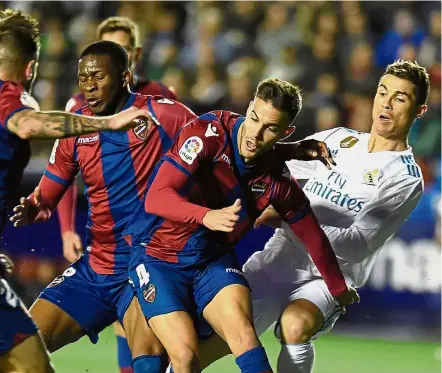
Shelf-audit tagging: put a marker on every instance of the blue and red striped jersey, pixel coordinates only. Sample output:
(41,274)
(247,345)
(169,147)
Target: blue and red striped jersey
(14,151)
(115,167)
(204,166)
(142,87)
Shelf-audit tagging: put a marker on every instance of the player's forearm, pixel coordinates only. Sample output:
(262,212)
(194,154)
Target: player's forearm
(66,209)
(310,233)
(29,124)
(163,198)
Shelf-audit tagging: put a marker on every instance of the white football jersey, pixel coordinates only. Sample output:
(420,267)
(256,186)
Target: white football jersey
(360,203)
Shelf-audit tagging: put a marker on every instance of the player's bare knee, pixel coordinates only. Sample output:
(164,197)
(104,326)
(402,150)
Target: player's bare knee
(184,359)
(298,327)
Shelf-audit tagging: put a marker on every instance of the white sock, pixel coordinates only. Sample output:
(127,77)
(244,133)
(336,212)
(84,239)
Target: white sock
(297,358)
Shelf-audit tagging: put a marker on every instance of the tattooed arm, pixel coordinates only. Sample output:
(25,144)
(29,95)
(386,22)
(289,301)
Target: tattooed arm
(30,124)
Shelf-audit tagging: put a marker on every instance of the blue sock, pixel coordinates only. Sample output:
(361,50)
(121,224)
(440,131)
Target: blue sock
(254,361)
(124,355)
(150,364)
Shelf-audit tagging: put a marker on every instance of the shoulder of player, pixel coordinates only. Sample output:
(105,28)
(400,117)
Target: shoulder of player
(340,137)
(152,87)
(402,165)
(12,88)
(75,102)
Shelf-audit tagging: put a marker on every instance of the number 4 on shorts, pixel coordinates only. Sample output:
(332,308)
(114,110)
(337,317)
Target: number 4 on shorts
(143,275)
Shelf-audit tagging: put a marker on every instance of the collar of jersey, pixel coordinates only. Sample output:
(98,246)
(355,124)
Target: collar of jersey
(130,101)
(241,165)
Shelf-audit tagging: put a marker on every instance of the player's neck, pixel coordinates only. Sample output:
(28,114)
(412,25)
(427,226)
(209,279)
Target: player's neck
(8,77)
(121,103)
(377,143)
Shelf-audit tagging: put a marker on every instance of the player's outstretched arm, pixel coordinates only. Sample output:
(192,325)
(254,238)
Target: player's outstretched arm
(378,219)
(307,150)
(30,124)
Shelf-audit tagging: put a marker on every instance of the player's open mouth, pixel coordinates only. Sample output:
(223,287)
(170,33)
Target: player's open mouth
(250,146)
(93,101)
(384,118)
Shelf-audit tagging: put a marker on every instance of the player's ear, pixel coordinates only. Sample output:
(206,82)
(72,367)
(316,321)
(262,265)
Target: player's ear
(127,78)
(30,68)
(137,55)
(421,110)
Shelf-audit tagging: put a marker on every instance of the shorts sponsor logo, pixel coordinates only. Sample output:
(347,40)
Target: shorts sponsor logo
(56,281)
(258,188)
(87,140)
(190,149)
(349,142)
(141,130)
(150,293)
(234,270)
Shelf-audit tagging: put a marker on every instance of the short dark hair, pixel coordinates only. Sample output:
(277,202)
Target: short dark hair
(113,24)
(19,38)
(413,72)
(115,51)
(282,94)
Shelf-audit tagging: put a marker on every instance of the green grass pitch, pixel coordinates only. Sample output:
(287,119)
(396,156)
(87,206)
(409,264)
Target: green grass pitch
(334,354)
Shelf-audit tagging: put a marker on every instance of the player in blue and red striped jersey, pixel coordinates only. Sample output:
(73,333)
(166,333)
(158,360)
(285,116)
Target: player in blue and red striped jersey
(94,291)
(217,181)
(20,121)
(125,32)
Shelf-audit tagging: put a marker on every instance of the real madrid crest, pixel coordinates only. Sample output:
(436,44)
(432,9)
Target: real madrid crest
(372,177)
(141,129)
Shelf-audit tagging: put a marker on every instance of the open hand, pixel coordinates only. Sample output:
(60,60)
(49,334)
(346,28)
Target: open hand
(27,210)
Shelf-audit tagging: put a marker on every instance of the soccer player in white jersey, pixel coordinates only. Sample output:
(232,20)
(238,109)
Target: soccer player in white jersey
(360,203)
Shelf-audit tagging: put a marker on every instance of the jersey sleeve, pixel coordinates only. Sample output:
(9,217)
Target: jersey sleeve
(191,150)
(59,173)
(293,206)
(171,115)
(13,100)
(66,209)
(378,219)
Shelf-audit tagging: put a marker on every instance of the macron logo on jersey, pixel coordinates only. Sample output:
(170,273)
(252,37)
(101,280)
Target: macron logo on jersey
(211,131)
(87,140)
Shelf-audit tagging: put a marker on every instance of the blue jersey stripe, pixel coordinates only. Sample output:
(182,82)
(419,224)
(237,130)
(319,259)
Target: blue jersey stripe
(56,178)
(241,166)
(121,184)
(176,164)
(209,117)
(299,215)
(130,101)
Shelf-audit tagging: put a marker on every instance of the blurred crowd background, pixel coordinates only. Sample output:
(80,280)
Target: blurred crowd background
(214,53)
